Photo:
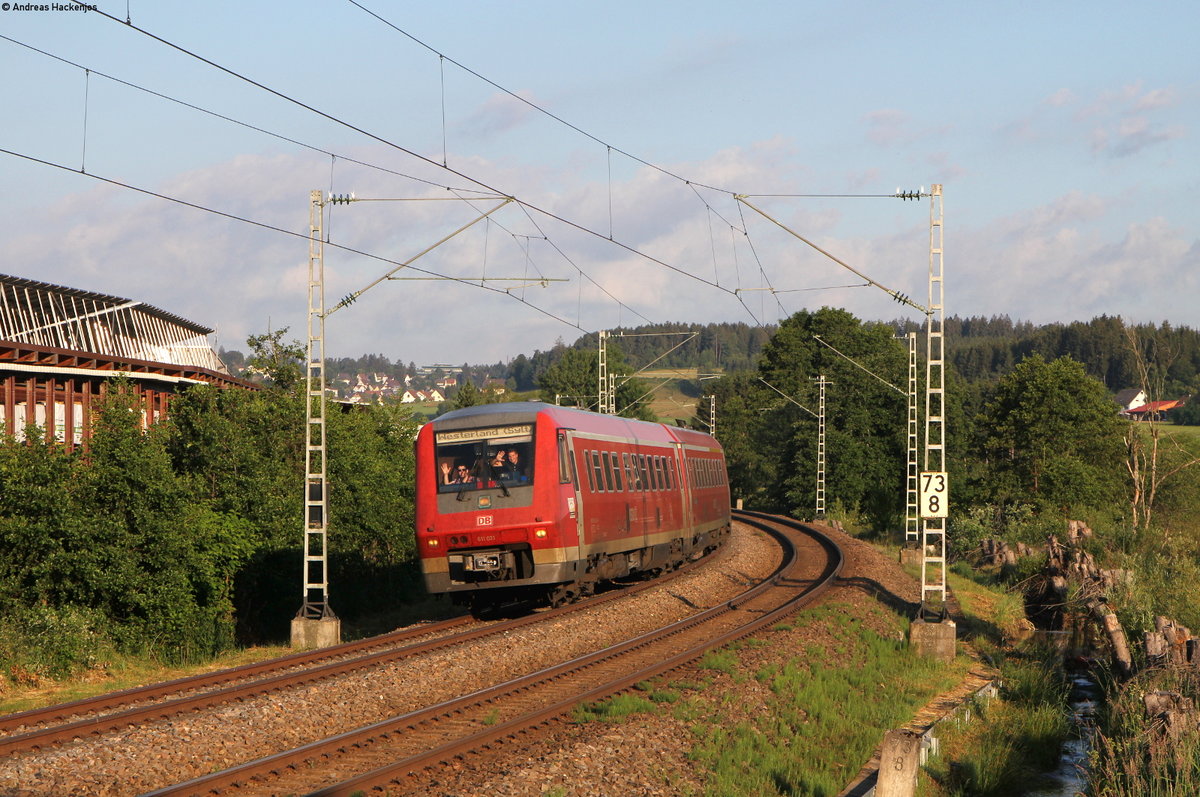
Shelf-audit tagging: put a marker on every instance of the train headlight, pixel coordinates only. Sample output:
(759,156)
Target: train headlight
(433,543)
(540,533)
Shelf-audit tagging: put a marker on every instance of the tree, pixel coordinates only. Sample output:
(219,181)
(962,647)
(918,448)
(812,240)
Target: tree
(522,373)
(467,396)
(1050,432)
(280,362)
(768,419)
(749,456)
(865,421)
(574,379)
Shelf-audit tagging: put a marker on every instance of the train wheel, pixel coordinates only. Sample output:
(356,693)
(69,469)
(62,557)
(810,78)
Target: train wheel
(564,594)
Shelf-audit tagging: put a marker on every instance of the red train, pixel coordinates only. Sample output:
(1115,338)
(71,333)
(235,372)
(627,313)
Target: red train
(528,501)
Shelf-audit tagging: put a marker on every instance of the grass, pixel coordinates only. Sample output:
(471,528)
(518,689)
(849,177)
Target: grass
(824,706)
(1013,740)
(614,709)
(1131,756)
(825,712)
(125,673)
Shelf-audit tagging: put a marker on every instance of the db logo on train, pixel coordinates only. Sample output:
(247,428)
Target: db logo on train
(483,520)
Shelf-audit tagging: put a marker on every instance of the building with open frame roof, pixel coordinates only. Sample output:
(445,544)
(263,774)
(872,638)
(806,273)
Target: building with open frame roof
(59,346)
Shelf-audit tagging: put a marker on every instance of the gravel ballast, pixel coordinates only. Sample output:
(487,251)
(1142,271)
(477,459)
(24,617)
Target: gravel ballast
(177,749)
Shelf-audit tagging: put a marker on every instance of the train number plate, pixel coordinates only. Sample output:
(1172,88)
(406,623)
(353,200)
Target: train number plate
(483,520)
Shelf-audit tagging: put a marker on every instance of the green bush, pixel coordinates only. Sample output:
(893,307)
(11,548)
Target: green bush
(42,642)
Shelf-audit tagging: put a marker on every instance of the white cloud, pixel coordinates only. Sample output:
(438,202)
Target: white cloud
(1047,263)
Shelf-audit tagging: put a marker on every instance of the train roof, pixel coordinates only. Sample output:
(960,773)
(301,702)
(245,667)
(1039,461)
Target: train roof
(518,412)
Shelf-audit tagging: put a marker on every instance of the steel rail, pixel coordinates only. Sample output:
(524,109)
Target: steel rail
(276,674)
(126,697)
(275,765)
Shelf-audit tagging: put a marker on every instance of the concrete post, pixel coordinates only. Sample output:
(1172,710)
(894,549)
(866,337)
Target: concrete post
(899,762)
(323,633)
(934,640)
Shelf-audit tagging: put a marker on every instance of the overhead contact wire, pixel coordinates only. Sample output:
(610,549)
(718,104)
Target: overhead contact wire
(283,230)
(374,137)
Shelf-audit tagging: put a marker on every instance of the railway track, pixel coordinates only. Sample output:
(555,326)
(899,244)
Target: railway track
(39,729)
(398,753)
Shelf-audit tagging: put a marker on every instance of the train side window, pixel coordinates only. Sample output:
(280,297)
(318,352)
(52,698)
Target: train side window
(653,473)
(616,469)
(658,479)
(660,464)
(598,471)
(643,472)
(629,477)
(671,483)
(587,468)
(607,470)
(564,459)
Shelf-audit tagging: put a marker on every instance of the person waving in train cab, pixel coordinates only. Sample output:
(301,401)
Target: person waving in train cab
(513,471)
(455,474)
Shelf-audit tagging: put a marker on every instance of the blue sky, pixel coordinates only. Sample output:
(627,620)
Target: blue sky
(1064,135)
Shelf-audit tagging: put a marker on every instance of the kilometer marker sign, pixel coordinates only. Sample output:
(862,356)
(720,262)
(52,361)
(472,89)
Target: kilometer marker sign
(935,494)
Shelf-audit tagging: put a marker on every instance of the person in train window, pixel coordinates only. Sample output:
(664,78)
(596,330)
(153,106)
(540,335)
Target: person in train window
(456,474)
(512,467)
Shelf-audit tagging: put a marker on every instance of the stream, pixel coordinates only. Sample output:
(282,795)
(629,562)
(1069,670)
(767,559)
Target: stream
(1070,779)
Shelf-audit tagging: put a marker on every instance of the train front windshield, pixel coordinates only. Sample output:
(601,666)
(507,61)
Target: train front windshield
(480,459)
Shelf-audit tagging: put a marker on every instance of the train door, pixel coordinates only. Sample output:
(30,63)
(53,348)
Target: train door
(570,488)
(685,486)
(642,463)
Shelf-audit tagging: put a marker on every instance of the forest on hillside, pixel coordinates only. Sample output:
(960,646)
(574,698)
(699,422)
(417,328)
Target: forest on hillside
(979,349)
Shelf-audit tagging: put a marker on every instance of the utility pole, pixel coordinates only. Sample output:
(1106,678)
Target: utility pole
(315,625)
(820,509)
(934,509)
(602,372)
(712,415)
(911,509)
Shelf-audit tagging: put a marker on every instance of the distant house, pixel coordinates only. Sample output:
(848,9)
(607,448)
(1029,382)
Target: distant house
(495,386)
(1130,398)
(414,396)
